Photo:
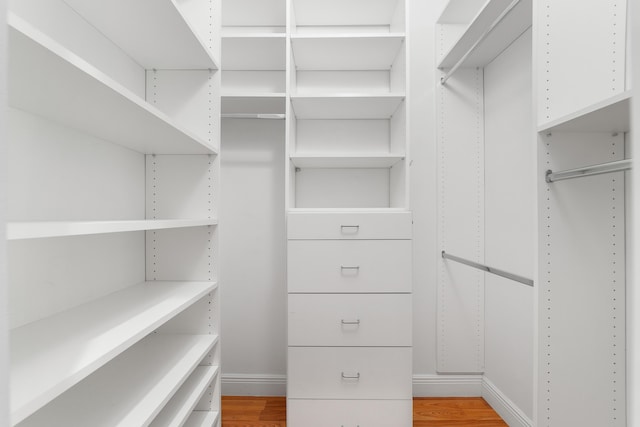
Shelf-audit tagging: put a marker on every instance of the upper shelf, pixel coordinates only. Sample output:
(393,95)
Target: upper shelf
(36,230)
(486,43)
(346,51)
(253,51)
(255,13)
(385,13)
(132,388)
(51,355)
(346,106)
(50,81)
(610,115)
(153,32)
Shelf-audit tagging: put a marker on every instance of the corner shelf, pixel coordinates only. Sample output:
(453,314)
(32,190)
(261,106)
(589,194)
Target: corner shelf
(516,22)
(179,408)
(202,419)
(132,389)
(609,115)
(164,39)
(51,355)
(36,230)
(346,106)
(345,161)
(254,51)
(76,94)
(346,51)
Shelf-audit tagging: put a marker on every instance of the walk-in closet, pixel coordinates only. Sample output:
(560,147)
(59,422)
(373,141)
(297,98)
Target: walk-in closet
(360,209)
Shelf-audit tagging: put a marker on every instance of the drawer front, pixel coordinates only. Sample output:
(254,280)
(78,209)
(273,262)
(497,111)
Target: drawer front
(349,413)
(350,320)
(344,225)
(349,373)
(339,266)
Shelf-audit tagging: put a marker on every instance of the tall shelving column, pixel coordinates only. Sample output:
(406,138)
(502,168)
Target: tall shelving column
(113,202)
(583,102)
(349,224)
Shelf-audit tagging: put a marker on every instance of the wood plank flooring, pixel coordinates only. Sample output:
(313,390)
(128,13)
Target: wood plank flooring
(241,411)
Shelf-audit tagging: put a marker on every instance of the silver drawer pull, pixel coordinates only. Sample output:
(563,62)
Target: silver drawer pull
(350,322)
(351,377)
(349,229)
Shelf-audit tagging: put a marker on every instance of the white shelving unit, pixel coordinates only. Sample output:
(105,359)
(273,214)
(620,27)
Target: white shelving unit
(113,278)
(132,389)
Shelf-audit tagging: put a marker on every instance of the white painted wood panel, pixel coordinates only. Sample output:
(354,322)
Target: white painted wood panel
(372,82)
(132,389)
(346,106)
(253,82)
(341,161)
(51,355)
(343,136)
(347,225)
(315,266)
(254,104)
(339,12)
(254,13)
(356,320)
(349,373)
(254,52)
(322,413)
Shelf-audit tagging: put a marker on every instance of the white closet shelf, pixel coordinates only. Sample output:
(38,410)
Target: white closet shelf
(344,13)
(346,51)
(202,419)
(36,230)
(50,81)
(250,52)
(347,210)
(516,22)
(346,106)
(609,115)
(176,412)
(51,355)
(254,103)
(345,161)
(132,389)
(164,39)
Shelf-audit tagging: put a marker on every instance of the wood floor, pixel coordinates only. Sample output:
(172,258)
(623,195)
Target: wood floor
(427,412)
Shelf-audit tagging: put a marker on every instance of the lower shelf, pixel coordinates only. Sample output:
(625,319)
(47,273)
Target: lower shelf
(132,389)
(202,419)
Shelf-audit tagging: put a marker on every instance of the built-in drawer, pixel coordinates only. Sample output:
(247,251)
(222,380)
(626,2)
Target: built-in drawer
(349,373)
(350,320)
(347,225)
(349,413)
(349,266)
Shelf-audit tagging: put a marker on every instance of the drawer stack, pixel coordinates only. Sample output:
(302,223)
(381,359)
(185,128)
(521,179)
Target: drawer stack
(350,320)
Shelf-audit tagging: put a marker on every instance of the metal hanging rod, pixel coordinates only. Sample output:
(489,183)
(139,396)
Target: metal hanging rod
(484,35)
(620,165)
(491,270)
(253,116)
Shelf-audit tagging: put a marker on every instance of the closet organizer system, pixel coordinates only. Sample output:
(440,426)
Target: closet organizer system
(335,71)
(112,234)
(563,161)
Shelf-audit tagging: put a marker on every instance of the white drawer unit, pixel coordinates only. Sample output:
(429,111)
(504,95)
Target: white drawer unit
(349,373)
(349,266)
(349,413)
(349,225)
(350,320)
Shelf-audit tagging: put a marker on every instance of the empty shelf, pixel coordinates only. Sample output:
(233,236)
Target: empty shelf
(202,419)
(132,389)
(254,103)
(610,115)
(35,230)
(344,13)
(346,51)
(176,412)
(505,32)
(345,161)
(76,94)
(163,39)
(346,106)
(254,52)
(51,355)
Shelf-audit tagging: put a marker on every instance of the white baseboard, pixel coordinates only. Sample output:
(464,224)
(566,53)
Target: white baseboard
(509,412)
(254,385)
(447,385)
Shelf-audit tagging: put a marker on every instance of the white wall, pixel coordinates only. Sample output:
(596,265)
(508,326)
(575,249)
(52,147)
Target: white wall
(253,257)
